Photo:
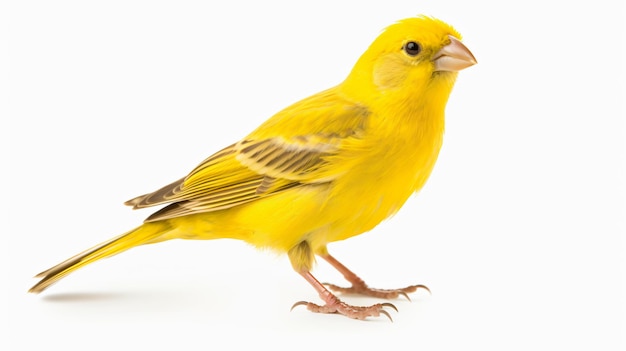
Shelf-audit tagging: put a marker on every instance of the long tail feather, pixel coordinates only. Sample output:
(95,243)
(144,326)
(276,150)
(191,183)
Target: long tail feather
(146,233)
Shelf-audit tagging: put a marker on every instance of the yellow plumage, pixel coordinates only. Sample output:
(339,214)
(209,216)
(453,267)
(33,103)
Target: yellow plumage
(326,168)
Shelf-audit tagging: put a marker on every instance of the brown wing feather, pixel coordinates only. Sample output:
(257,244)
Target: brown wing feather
(239,174)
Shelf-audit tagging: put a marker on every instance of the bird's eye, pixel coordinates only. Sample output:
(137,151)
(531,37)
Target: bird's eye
(412,48)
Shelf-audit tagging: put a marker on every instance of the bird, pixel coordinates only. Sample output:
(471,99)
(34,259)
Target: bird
(326,168)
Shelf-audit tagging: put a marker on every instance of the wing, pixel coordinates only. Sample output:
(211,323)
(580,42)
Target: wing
(292,149)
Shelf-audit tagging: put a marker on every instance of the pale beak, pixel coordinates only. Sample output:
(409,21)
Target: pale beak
(453,57)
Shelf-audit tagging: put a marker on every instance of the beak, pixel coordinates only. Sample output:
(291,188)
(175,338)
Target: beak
(453,57)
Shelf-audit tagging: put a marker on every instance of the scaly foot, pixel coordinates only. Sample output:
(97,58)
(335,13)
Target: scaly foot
(360,288)
(334,305)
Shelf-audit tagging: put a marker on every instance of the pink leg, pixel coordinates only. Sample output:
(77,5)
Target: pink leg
(335,305)
(359,286)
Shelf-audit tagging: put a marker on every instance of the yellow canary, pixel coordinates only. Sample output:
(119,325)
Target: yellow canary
(326,168)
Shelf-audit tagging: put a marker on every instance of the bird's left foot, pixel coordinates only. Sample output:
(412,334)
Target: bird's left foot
(360,288)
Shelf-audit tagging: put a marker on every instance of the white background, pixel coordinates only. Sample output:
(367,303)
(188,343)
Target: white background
(519,233)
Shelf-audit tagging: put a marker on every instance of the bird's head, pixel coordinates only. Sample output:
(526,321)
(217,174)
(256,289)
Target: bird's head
(410,57)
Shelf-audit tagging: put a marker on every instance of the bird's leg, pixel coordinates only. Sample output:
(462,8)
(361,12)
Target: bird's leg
(359,286)
(335,305)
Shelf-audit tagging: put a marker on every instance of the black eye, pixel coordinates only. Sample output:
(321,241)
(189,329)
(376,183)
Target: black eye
(412,48)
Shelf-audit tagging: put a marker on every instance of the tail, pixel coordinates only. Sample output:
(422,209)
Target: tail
(144,234)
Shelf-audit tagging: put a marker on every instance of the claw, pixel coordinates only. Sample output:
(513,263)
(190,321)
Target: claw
(299,303)
(387,304)
(386,314)
(405,295)
(420,286)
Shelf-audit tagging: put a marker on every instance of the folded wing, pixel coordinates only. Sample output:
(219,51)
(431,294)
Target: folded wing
(262,164)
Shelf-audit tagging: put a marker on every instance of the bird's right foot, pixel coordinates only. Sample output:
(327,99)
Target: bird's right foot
(335,305)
